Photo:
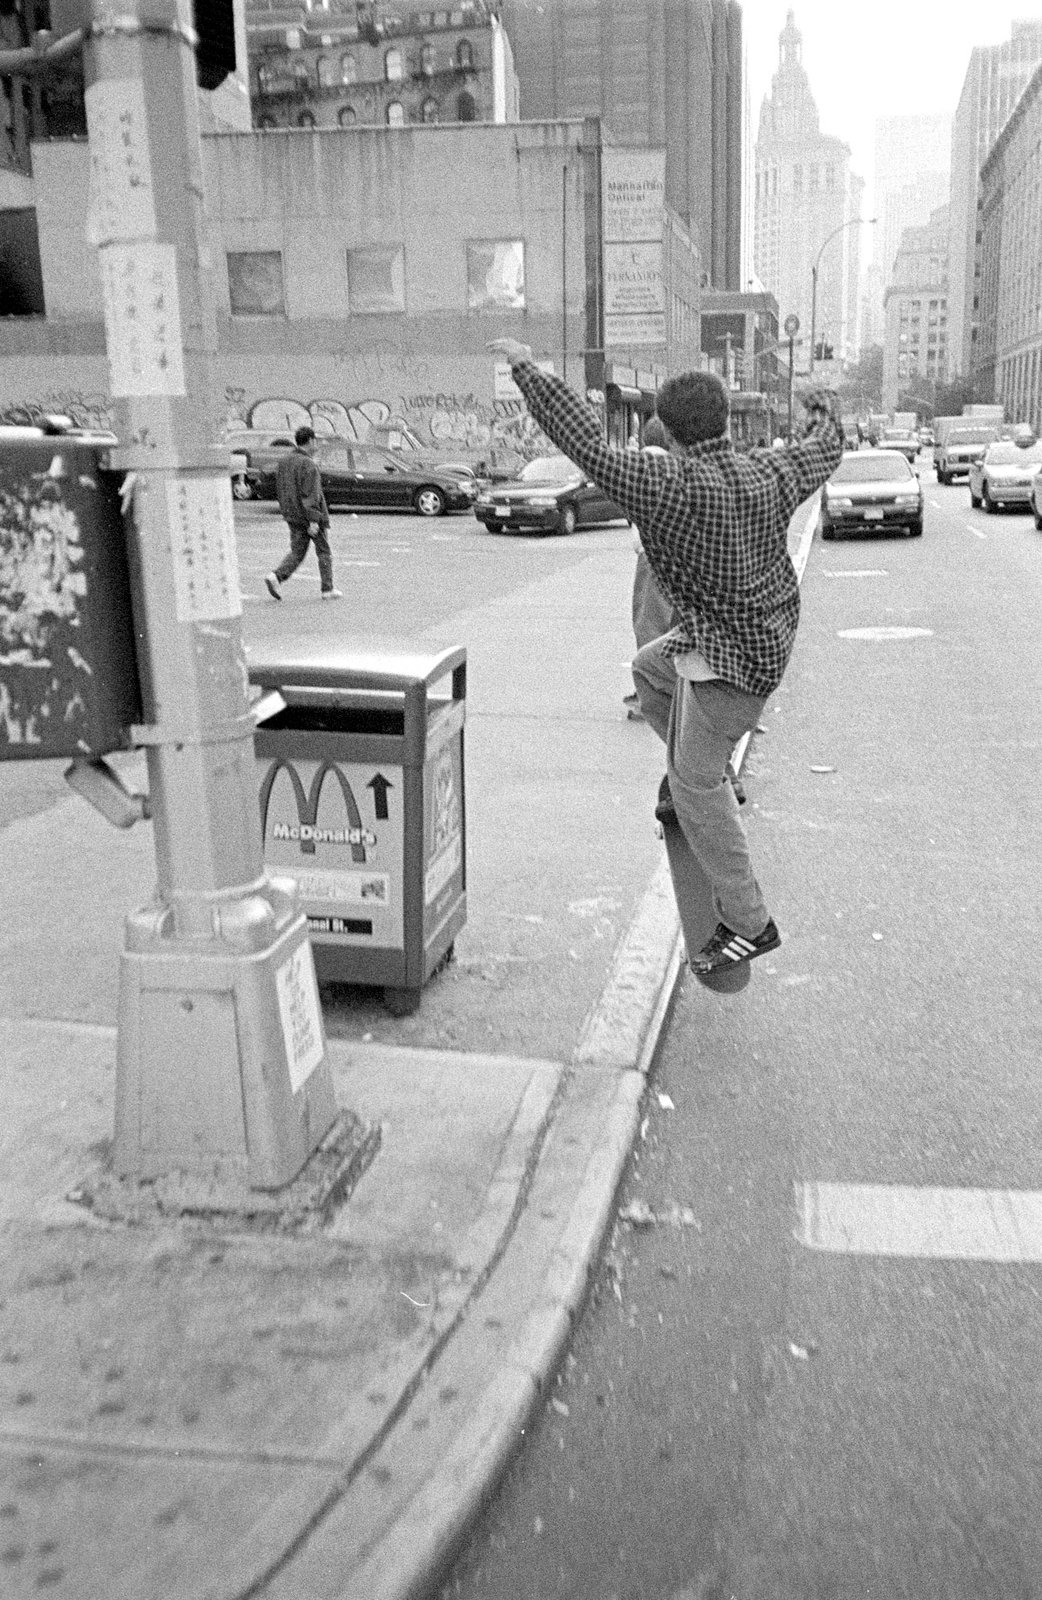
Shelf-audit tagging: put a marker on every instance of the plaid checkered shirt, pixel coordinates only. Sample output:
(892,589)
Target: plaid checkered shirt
(713,522)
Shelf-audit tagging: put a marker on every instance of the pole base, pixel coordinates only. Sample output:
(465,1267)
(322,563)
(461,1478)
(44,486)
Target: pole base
(221,1068)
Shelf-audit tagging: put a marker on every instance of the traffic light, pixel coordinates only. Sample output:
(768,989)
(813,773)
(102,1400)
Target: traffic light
(822,351)
(215,53)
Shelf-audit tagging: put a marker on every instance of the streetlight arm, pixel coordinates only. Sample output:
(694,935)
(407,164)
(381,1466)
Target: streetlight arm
(851,222)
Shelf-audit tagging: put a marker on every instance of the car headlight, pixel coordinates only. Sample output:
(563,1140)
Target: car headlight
(542,502)
(484,500)
(838,500)
(906,500)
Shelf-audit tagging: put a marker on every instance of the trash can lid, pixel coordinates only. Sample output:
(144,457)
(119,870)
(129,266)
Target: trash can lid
(365,664)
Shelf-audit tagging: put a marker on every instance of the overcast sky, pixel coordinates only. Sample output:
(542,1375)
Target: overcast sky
(876,58)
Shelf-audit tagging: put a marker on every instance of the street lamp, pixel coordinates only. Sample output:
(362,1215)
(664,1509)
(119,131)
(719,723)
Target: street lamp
(852,222)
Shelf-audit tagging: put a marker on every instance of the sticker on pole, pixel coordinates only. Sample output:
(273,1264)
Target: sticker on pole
(142,318)
(300,1014)
(202,533)
(120,206)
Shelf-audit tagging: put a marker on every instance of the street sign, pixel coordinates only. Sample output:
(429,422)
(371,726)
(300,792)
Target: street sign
(791,325)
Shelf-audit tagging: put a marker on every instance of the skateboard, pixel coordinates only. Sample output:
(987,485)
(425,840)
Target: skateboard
(694,897)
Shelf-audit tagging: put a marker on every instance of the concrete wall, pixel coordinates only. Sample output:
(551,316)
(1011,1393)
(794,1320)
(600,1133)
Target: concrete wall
(312,197)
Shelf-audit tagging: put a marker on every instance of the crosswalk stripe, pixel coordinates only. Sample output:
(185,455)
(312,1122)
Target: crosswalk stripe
(923,1223)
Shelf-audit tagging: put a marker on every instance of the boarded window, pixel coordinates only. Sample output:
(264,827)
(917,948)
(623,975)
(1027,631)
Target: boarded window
(376,279)
(255,284)
(496,275)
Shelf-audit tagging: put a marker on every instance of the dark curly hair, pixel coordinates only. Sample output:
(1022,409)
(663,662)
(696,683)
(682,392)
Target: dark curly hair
(694,406)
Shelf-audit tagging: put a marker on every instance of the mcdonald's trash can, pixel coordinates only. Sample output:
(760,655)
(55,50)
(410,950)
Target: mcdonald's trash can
(361,782)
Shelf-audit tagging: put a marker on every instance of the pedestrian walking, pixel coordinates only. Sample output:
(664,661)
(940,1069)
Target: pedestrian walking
(714,525)
(298,484)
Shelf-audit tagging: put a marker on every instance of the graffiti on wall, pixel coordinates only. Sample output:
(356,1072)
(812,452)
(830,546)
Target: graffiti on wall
(83,410)
(442,422)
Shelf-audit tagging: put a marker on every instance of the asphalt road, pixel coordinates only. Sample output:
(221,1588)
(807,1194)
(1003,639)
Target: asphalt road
(770,1397)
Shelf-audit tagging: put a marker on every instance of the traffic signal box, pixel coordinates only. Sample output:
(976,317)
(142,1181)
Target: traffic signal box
(68,669)
(362,803)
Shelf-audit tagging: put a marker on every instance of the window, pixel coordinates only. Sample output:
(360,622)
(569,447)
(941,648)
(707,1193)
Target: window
(466,108)
(427,60)
(267,122)
(306,120)
(328,72)
(348,68)
(430,111)
(292,38)
(376,279)
(346,116)
(393,65)
(464,54)
(395,114)
(496,275)
(255,287)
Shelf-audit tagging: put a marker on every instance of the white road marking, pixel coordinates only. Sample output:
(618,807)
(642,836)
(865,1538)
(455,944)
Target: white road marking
(979,532)
(854,572)
(868,1219)
(935,503)
(884,634)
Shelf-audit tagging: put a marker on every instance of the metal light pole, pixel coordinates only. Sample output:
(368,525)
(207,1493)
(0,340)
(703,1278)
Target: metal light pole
(852,222)
(222,1078)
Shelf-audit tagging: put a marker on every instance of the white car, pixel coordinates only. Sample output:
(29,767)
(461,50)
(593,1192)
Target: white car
(1005,474)
(1036,499)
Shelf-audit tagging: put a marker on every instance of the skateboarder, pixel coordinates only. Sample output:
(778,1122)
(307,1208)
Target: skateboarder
(298,484)
(714,525)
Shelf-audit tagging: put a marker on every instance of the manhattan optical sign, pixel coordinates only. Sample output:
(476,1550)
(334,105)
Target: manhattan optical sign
(633,186)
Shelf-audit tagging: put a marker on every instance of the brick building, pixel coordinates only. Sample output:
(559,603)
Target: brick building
(329,63)
(1008,365)
(915,343)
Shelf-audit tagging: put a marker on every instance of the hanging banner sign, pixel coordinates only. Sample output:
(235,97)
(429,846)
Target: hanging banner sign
(633,196)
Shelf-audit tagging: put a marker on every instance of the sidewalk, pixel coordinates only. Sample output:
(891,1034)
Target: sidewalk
(191,1411)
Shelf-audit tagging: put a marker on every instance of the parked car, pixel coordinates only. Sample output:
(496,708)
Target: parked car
(900,439)
(960,448)
(871,491)
(255,455)
(361,476)
(1004,474)
(549,495)
(1036,499)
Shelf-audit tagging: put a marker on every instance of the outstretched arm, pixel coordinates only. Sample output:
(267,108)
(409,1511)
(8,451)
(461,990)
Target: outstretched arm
(575,428)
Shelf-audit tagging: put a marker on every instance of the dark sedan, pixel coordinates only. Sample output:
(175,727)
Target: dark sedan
(549,495)
(365,477)
(871,491)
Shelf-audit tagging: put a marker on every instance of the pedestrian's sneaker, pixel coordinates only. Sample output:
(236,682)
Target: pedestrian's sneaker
(726,949)
(631,699)
(271,583)
(332,594)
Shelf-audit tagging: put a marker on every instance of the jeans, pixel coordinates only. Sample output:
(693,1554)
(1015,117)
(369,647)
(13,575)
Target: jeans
(700,723)
(300,536)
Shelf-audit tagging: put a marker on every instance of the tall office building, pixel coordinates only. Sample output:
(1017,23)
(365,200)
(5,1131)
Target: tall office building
(995,79)
(806,202)
(912,178)
(661,73)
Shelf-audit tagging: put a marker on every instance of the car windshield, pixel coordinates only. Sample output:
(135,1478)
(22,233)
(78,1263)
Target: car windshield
(1014,455)
(871,469)
(972,436)
(549,469)
(897,433)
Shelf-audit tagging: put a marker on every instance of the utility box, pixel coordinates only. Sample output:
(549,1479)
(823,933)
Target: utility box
(361,779)
(68,668)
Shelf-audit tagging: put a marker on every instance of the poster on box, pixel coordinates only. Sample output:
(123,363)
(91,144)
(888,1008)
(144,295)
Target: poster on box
(337,829)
